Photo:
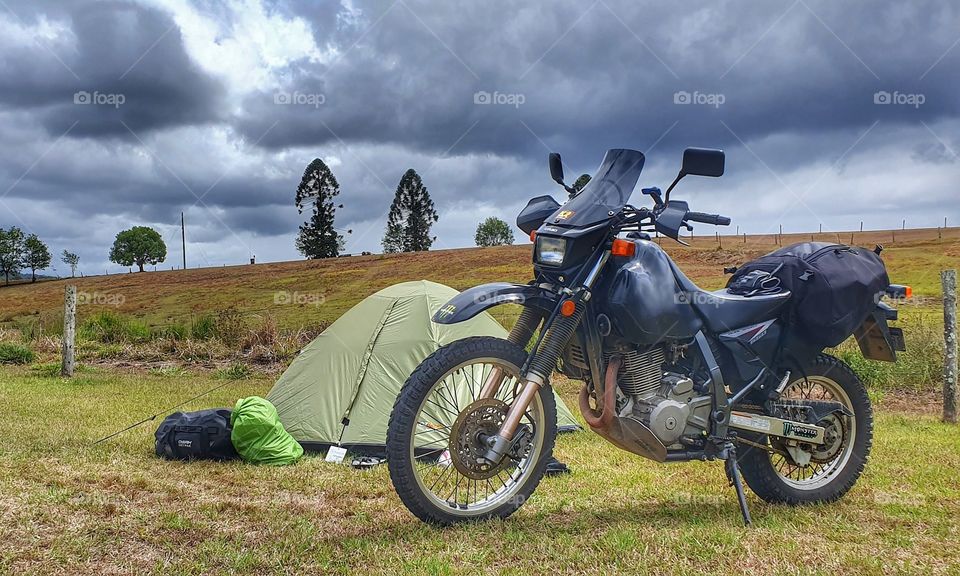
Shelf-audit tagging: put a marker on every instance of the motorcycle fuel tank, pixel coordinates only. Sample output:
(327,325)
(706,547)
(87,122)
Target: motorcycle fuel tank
(644,301)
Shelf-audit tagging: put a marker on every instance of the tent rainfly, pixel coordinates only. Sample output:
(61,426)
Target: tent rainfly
(341,387)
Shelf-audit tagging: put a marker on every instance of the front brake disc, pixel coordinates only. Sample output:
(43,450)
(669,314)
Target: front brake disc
(479,420)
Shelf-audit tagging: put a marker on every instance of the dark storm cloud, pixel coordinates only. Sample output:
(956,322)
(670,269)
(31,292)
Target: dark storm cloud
(472,95)
(122,68)
(609,73)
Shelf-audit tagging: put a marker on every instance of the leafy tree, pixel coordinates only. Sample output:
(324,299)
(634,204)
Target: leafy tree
(411,216)
(72,260)
(36,255)
(12,251)
(317,237)
(139,245)
(581,182)
(493,232)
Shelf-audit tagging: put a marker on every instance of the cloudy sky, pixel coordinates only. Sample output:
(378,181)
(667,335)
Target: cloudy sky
(121,113)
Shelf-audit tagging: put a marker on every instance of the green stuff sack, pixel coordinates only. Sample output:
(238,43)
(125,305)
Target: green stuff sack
(259,436)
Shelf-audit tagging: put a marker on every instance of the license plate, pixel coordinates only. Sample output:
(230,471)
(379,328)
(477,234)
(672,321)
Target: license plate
(897,341)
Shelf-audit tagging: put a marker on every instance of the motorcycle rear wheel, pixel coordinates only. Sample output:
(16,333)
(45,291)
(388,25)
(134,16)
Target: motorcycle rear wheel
(432,435)
(776,478)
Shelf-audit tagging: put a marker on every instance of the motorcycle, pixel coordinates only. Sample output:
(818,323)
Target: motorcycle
(670,372)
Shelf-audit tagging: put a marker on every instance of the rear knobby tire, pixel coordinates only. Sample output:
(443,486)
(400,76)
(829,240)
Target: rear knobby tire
(760,473)
(413,395)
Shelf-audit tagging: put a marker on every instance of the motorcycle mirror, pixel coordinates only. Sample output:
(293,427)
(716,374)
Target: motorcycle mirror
(699,162)
(556,169)
(703,162)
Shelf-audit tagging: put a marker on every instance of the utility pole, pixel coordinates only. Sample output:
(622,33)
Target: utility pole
(183,240)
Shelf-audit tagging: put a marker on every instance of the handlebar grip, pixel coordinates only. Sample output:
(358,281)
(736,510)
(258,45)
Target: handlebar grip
(715,219)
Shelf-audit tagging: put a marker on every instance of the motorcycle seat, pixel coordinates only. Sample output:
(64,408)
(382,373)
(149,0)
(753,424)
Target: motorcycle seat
(723,311)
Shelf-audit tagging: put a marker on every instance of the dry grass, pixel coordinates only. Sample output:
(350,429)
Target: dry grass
(316,292)
(69,508)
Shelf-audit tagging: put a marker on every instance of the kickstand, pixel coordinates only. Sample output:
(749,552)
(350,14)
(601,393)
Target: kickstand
(733,475)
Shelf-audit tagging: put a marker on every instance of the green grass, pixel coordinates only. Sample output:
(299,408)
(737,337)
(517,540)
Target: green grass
(13,353)
(71,508)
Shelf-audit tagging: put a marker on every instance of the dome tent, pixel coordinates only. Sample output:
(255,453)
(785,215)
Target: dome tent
(341,387)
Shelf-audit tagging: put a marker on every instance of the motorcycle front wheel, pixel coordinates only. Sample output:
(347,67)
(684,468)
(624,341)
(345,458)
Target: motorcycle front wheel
(438,424)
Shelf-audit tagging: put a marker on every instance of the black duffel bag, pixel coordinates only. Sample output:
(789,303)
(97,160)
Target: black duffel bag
(203,435)
(834,286)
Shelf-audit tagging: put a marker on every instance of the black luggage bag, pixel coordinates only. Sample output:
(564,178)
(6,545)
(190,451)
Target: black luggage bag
(835,287)
(203,435)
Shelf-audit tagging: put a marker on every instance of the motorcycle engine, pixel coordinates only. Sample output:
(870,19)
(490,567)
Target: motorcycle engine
(663,401)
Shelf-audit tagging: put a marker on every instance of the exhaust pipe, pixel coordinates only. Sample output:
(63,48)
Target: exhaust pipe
(626,433)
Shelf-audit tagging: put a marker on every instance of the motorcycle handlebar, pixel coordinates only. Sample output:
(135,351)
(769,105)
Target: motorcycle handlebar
(715,219)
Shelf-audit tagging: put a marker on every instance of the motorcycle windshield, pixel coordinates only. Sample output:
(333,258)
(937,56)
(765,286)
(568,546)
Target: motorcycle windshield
(608,190)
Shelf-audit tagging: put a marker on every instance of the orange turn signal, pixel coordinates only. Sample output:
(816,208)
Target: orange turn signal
(908,293)
(533,235)
(623,247)
(568,308)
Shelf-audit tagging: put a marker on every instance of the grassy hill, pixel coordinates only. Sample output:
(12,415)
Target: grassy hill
(70,507)
(316,292)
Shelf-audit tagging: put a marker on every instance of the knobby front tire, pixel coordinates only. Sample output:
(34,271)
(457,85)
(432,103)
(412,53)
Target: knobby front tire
(418,454)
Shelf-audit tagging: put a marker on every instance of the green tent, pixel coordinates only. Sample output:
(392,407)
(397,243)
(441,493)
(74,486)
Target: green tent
(341,387)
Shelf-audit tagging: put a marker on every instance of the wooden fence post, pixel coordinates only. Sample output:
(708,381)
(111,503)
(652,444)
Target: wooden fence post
(949,280)
(69,330)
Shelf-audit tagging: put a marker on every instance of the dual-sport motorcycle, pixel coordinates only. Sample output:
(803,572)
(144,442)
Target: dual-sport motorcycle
(671,372)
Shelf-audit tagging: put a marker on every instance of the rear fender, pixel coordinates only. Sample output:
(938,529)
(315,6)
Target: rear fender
(473,301)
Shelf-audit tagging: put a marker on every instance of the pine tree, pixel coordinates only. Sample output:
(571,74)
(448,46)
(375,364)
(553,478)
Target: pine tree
(411,216)
(318,238)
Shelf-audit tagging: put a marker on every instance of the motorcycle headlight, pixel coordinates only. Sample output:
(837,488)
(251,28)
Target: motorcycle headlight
(550,251)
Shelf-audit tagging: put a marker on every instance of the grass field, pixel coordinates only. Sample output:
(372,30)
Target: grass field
(67,507)
(316,292)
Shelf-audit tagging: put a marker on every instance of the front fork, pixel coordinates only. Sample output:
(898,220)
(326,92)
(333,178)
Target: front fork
(558,329)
